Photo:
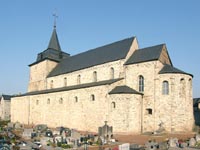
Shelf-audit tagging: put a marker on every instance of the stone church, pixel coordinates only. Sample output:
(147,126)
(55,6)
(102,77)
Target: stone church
(133,89)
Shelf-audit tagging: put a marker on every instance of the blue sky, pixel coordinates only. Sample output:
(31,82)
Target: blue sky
(26,27)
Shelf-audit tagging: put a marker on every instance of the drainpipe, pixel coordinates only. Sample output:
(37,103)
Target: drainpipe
(142,115)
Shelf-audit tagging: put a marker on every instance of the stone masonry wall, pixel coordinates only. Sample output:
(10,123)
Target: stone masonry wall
(103,72)
(62,109)
(132,113)
(38,74)
(176,109)
(5,109)
(173,110)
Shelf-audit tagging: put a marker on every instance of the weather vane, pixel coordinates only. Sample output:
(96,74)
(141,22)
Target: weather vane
(55,17)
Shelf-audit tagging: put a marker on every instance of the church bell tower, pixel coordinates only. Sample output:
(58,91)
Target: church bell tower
(46,61)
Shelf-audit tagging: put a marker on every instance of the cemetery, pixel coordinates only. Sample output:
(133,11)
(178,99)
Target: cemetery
(17,136)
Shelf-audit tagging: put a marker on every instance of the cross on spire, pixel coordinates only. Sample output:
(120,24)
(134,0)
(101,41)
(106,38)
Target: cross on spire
(55,17)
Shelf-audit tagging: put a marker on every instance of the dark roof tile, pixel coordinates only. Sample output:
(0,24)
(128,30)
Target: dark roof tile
(97,56)
(170,69)
(145,54)
(196,101)
(7,97)
(123,90)
(74,87)
(54,43)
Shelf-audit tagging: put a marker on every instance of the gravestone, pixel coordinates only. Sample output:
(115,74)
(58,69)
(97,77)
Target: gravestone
(58,139)
(125,146)
(56,132)
(106,132)
(40,128)
(151,145)
(192,142)
(27,133)
(132,146)
(75,134)
(10,125)
(173,142)
(163,146)
(183,145)
(18,125)
(161,129)
(44,140)
(197,137)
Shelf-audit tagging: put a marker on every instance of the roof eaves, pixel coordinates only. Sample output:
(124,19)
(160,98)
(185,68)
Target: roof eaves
(73,70)
(124,90)
(74,87)
(170,69)
(140,62)
(43,60)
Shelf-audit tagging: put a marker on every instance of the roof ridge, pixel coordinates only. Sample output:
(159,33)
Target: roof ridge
(152,46)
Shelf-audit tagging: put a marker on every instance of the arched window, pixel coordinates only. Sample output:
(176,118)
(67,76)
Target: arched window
(65,81)
(94,76)
(182,87)
(92,97)
(165,88)
(79,79)
(48,101)
(51,84)
(61,101)
(141,83)
(112,73)
(76,99)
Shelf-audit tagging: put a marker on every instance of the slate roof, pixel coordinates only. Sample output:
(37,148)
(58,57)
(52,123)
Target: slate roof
(54,43)
(123,90)
(145,54)
(195,102)
(74,87)
(170,69)
(53,52)
(7,97)
(97,56)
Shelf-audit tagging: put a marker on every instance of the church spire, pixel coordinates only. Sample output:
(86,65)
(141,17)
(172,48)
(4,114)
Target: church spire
(54,43)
